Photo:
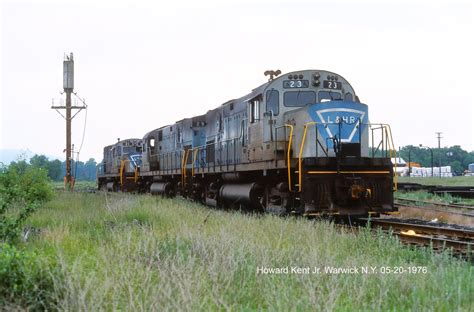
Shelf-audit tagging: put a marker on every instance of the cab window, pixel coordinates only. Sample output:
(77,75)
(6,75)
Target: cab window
(326,96)
(299,98)
(273,101)
(348,97)
(254,106)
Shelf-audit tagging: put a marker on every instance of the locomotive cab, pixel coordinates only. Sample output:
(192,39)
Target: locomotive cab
(120,165)
(341,162)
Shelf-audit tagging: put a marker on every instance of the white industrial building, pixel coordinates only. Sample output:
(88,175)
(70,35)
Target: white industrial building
(401,168)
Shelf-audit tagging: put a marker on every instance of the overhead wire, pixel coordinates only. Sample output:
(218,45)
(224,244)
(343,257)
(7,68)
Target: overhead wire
(83,134)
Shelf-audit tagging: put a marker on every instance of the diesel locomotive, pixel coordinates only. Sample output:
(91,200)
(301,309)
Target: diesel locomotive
(119,169)
(300,143)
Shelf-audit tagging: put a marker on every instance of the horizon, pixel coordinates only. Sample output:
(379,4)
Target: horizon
(26,154)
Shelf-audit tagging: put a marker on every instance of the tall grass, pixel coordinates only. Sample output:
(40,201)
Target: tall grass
(144,253)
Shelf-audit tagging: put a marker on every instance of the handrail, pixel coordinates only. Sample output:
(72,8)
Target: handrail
(122,171)
(389,145)
(184,168)
(135,176)
(122,166)
(388,141)
(288,157)
(395,176)
(300,155)
(241,135)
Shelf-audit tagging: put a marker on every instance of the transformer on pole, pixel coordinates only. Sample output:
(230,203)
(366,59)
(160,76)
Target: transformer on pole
(68,86)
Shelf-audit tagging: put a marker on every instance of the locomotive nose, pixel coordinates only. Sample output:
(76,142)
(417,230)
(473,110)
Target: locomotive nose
(341,119)
(338,111)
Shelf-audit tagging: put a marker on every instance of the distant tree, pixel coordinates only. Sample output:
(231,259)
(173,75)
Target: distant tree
(456,167)
(84,171)
(54,170)
(453,156)
(90,169)
(39,161)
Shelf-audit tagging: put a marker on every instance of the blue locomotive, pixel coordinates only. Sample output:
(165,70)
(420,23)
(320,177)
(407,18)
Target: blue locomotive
(300,143)
(119,169)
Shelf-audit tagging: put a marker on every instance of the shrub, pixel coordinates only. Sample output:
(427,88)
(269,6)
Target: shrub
(24,279)
(22,189)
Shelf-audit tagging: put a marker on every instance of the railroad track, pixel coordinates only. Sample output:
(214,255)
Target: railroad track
(466,214)
(429,205)
(460,191)
(461,241)
(432,203)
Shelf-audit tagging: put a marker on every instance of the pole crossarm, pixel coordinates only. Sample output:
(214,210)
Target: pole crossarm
(72,107)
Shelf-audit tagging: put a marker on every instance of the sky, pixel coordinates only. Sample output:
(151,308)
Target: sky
(140,65)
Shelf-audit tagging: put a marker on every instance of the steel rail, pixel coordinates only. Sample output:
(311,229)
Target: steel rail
(451,205)
(424,229)
(428,208)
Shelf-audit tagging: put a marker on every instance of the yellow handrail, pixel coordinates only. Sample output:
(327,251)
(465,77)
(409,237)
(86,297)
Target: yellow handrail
(395,177)
(122,172)
(122,166)
(135,176)
(300,155)
(288,156)
(184,165)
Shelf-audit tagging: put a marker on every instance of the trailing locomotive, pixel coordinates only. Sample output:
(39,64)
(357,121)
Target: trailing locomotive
(300,143)
(119,170)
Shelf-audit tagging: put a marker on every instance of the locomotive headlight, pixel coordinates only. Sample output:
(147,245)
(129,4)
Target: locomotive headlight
(300,76)
(316,81)
(290,77)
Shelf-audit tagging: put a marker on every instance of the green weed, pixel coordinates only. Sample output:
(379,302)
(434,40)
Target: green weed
(130,252)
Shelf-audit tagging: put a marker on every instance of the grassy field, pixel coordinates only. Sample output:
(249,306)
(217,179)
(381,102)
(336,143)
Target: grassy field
(454,181)
(426,196)
(130,252)
(78,186)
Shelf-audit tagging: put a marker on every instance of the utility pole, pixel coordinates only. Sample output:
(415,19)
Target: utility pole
(68,86)
(438,135)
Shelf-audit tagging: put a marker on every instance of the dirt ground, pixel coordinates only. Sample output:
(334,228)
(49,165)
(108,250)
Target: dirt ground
(429,215)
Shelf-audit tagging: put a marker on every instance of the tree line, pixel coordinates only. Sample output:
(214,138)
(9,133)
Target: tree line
(56,169)
(453,156)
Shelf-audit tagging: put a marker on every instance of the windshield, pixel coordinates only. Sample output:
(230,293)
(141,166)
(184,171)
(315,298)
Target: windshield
(299,98)
(131,149)
(325,96)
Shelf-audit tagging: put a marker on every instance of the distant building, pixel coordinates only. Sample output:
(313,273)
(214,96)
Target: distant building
(470,170)
(401,168)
